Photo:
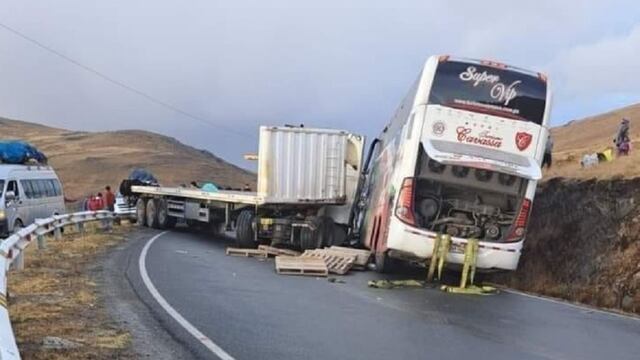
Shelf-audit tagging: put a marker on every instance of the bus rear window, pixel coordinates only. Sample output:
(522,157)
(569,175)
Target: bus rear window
(490,90)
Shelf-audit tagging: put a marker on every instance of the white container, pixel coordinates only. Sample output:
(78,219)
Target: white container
(302,165)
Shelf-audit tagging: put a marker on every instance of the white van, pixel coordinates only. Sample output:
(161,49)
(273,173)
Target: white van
(27,192)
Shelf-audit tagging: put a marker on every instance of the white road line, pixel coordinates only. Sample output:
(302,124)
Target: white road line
(215,349)
(567,303)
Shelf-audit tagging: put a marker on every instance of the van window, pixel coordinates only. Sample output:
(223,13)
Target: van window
(28,190)
(51,190)
(42,187)
(13,186)
(57,186)
(1,186)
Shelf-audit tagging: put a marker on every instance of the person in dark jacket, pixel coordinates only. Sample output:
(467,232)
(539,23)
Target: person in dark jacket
(548,150)
(622,139)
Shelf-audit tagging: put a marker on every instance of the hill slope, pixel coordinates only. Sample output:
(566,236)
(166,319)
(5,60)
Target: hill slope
(593,134)
(87,161)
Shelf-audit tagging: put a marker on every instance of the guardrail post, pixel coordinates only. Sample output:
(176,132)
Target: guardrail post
(42,242)
(80,227)
(19,261)
(57,233)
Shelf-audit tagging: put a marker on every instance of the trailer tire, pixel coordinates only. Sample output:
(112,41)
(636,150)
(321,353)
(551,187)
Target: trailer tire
(164,220)
(322,234)
(141,212)
(152,214)
(244,230)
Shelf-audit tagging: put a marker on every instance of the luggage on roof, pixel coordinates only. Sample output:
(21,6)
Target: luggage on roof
(20,152)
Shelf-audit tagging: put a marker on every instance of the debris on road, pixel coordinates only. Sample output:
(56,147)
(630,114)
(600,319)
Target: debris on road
(362,256)
(337,262)
(298,265)
(274,251)
(247,252)
(392,284)
(57,343)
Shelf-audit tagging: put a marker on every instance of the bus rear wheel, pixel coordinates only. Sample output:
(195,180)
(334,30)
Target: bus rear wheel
(384,263)
(245,236)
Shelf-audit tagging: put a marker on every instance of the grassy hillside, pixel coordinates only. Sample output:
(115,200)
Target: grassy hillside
(593,134)
(87,161)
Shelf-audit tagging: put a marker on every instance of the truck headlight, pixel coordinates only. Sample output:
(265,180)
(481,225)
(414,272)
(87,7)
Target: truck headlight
(3,215)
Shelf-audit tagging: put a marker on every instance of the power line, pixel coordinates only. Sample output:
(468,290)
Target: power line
(123,85)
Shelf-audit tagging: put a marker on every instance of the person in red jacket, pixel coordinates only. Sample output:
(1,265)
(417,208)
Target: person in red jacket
(109,198)
(96,203)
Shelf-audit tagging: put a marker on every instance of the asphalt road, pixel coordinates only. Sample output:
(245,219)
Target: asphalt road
(249,312)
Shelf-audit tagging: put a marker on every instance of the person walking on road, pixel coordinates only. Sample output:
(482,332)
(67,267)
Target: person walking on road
(622,139)
(109,198)
(548,150)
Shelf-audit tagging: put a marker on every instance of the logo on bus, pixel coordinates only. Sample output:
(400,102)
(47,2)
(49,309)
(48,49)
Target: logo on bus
(523,140)
(483,138)
(438,128)
(501,92)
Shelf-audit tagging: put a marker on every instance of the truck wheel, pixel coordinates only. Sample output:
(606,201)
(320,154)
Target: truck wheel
(322,234)
(141,212)
(339,235)
(164,220)
(244,230)
(152,214)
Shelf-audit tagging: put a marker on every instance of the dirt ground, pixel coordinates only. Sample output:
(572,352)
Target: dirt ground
(583,243)
(53,303)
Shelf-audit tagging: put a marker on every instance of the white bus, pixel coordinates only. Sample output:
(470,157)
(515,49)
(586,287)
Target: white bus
(461,156)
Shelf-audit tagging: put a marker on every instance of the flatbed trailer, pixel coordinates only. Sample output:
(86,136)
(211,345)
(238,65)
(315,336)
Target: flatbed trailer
(307,181)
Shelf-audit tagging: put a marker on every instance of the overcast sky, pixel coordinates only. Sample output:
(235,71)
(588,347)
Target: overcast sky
(343,64)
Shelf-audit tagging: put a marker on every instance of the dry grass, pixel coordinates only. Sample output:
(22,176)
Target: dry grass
(54,296)
(594,134)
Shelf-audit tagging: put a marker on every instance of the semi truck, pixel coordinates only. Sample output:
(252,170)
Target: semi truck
(307,182)
(461,156)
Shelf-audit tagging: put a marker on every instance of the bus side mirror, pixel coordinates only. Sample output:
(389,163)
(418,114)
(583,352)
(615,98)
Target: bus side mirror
(9,196)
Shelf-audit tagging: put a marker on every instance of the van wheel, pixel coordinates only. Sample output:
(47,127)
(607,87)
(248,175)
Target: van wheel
(17,226)
(245,236)
(152,214)
(321,234)
(141,212)
(164,220)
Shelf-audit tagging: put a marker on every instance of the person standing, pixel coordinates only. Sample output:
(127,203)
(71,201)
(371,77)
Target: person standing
(548,150)
(109,198)
(622,139)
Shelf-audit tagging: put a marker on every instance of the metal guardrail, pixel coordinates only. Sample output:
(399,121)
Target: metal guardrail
(12,254)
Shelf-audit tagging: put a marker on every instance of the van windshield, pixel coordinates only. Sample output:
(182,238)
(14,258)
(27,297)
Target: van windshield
(1,187)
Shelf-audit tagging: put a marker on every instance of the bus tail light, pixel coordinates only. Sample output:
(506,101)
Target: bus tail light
(520,225)
(405,206)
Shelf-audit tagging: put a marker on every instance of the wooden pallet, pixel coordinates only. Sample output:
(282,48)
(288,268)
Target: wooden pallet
(247,252)
(297,265)
(337,262)
(362,256)
(274,251)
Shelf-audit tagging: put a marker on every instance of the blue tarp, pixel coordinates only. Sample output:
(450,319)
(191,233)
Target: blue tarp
(143,176)
(209,187)
(20,152)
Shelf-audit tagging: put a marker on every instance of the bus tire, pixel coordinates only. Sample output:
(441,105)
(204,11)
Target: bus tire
(164,220)
(152,214)
(245,235)
(141,212)
(384,263)
(320,235)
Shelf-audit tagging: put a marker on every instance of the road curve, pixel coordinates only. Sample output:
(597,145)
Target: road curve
(242,306)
